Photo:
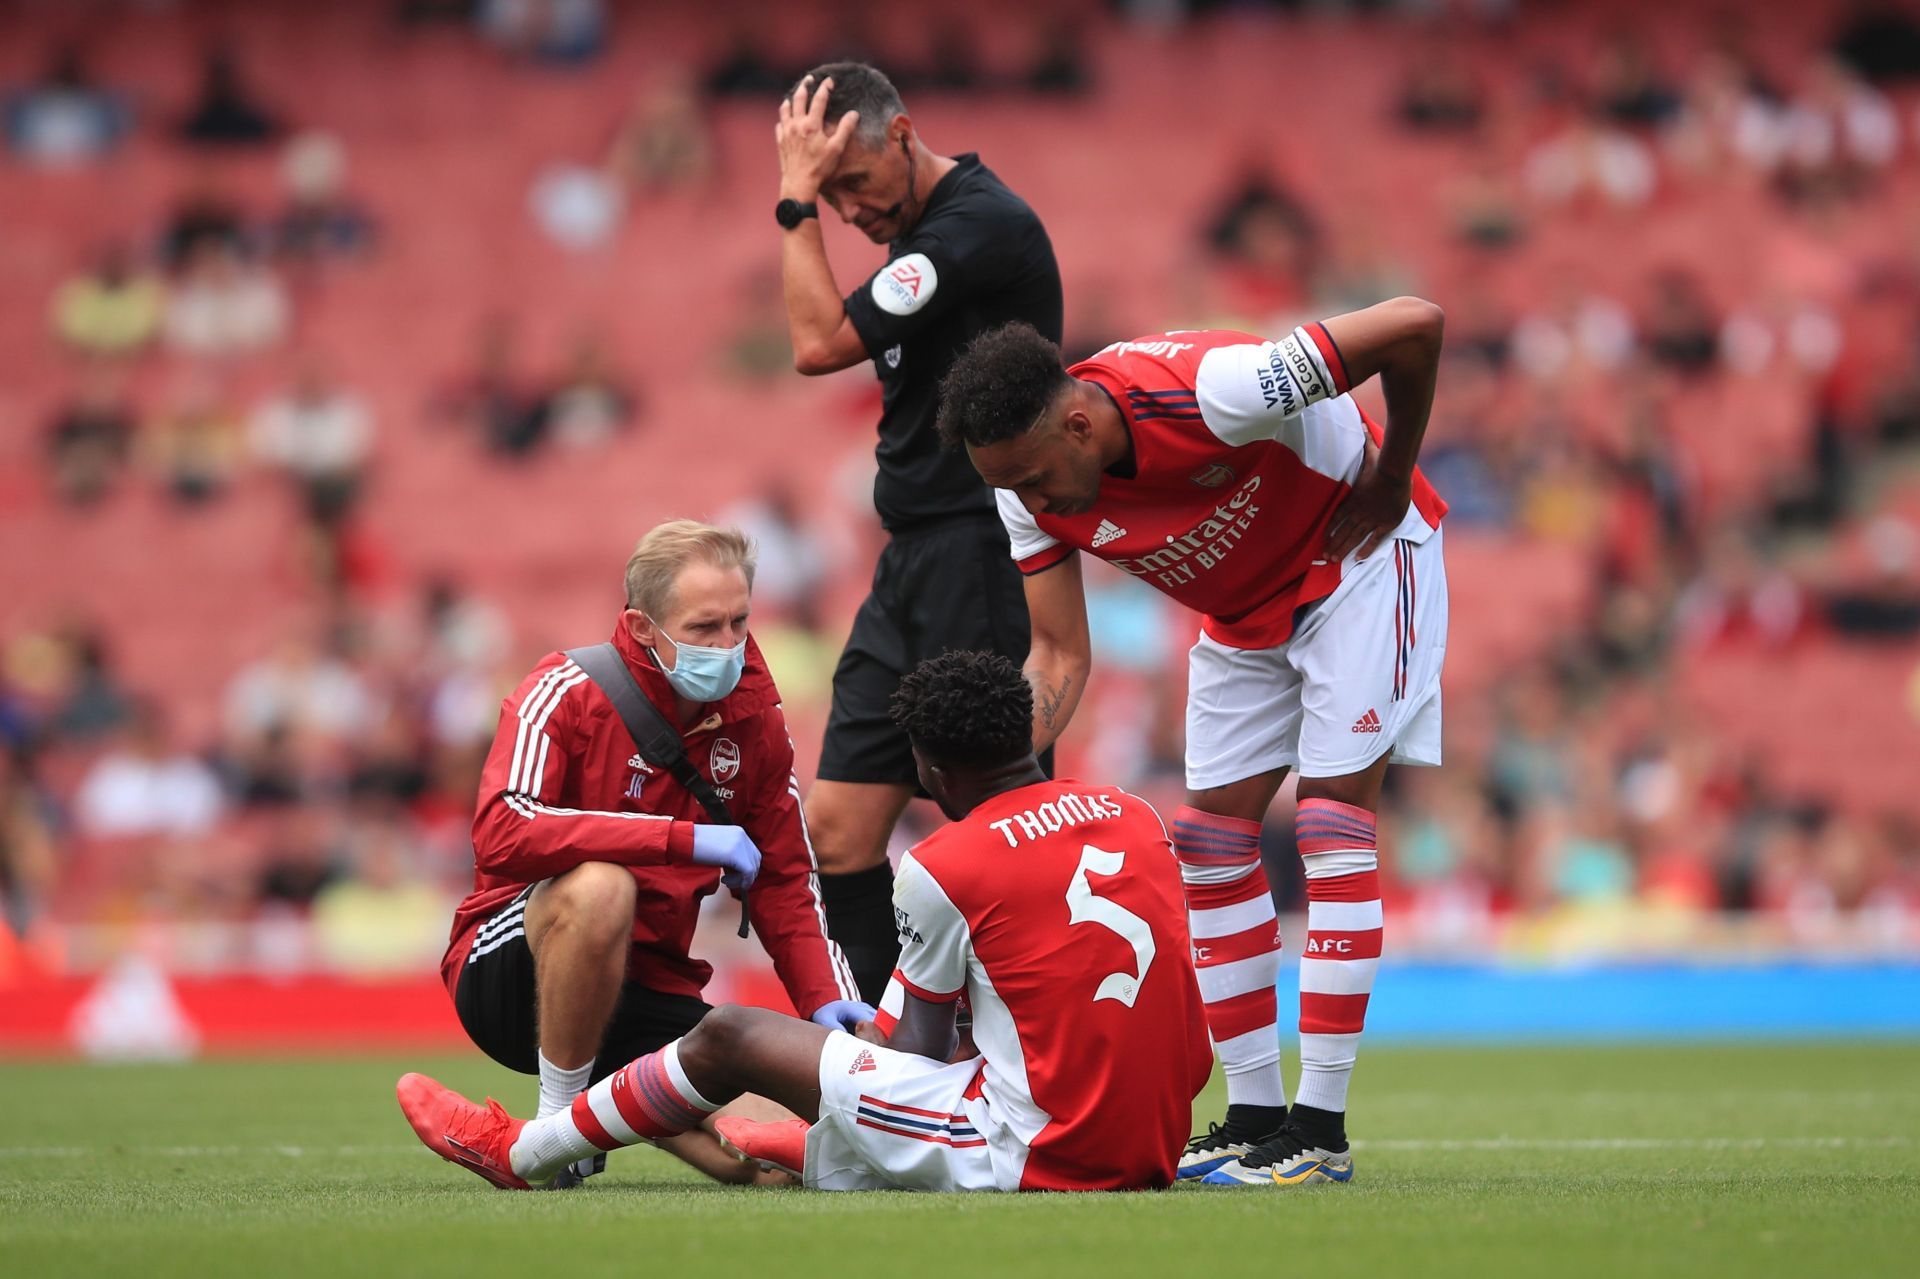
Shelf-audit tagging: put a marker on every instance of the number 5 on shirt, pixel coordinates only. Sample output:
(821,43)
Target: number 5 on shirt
(1084,906)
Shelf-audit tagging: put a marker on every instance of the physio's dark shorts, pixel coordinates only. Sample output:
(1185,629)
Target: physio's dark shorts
(495,996)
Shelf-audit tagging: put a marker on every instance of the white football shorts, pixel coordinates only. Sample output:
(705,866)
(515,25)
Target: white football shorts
(1360,677)
(895,1121)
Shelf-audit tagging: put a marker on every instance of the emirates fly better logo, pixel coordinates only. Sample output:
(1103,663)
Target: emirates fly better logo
(1185,556)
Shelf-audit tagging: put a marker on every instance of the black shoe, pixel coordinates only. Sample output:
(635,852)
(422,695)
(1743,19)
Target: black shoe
(575,1173)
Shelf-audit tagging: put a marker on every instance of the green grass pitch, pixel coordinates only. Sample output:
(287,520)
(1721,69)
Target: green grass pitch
(1684,1160)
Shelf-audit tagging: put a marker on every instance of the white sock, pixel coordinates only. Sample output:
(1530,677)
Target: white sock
(1256,1084)
(549,1143)
(559,1087)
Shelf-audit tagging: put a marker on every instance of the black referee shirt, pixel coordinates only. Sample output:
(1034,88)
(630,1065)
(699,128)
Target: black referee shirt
(977,258)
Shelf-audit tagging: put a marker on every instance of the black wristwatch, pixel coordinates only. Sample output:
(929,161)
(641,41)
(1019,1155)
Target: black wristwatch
(791,213)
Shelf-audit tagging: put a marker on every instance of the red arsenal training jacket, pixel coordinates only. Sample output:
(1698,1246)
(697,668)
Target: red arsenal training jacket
(564,785)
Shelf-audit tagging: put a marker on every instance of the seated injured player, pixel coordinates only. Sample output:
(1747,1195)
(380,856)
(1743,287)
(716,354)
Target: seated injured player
(1054,908)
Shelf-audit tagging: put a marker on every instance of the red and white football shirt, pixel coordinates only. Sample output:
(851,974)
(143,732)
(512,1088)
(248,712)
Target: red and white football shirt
(1235,478)
(1057,910)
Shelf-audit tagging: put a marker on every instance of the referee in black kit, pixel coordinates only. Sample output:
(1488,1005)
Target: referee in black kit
(965,255)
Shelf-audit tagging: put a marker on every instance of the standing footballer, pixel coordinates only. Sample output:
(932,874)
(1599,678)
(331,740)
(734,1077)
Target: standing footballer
(965,255)
(1237,475)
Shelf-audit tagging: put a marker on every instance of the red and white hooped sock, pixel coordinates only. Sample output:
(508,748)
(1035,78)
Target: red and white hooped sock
(1236,949)
(1339,848)
(646,1100)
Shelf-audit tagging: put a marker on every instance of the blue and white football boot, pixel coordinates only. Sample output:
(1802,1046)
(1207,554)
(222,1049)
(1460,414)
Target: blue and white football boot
(1288,1159)
(1212,1149)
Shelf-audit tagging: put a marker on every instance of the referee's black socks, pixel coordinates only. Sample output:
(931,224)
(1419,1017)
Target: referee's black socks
(860,917)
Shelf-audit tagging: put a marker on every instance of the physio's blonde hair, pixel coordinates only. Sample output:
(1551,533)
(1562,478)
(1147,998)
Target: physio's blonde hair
(654,568)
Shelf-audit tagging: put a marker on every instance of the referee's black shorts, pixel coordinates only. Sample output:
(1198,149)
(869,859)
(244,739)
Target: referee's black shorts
(946,585)
(495,997)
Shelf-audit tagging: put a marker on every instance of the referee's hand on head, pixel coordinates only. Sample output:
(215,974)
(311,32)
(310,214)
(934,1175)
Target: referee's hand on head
(809,152)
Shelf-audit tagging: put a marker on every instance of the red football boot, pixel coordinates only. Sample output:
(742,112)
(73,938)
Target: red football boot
(462,1132)
(780,1146)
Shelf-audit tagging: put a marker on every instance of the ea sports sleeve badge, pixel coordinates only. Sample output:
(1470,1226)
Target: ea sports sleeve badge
(905,285)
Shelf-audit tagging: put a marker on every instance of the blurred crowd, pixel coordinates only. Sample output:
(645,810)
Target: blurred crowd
(1733,464)
(1725,465)
(327,820)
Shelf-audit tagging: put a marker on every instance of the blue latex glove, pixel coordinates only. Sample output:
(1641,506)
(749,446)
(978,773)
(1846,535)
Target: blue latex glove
(731,849)
(842,1014)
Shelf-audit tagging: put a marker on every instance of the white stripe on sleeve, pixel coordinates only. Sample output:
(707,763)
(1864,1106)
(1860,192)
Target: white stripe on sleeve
(526,781)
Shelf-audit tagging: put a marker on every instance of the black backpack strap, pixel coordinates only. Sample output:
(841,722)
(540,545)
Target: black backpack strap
(657,741)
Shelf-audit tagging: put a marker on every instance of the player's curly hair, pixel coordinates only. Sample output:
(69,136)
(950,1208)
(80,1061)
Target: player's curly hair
(998,387)
(969,708)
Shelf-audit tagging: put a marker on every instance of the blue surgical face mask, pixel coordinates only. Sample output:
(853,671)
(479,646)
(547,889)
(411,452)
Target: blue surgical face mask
(702,674)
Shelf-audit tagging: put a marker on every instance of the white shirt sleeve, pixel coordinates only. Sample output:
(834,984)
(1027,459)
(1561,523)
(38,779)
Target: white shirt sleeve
(1246,396)
(1025,536)
(934,942)
(1248,390)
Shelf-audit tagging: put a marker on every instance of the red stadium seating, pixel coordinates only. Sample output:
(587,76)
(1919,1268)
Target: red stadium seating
(445,136)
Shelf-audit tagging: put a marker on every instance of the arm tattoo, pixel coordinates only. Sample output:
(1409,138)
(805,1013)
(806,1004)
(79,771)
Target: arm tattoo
(1051,701)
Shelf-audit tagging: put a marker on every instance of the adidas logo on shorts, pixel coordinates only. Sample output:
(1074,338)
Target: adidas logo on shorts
(1368,723)
(863,1061)
(1107,531)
